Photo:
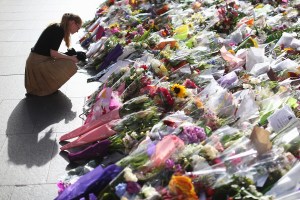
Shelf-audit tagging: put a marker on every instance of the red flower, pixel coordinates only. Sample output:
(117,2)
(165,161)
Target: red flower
(145,67)
(189,84)
(145,81)
(169,123)
(165,94)
(210,192)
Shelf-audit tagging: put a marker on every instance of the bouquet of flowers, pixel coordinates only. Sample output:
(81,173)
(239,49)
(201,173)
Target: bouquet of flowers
(146,118)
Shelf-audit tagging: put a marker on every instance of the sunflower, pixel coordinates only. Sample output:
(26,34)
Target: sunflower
(179,90)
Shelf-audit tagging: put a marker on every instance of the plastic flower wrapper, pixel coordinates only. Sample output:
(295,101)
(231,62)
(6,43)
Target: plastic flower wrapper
(150,157)
(131,82)
(113,73)
(269,105)
(234,61)
(134,88)
(210,120)
(194,108)
(214,97)
(248,110)
(287,185)
(228,80)
(146,119)
(190,159)
(139,156)
(164,149)
(270,167)
(181,74)
(158,68)
(228,16)
(106,101)
(109,47)
(237,187)
(169,125)
(289,138)
(224,137)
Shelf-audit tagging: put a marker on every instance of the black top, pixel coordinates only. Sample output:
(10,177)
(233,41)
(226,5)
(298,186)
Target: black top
(50,38)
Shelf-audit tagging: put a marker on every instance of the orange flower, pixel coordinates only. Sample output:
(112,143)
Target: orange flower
(250,22)
(182,186)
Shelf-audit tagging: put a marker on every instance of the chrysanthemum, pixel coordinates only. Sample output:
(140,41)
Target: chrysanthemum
(179,90)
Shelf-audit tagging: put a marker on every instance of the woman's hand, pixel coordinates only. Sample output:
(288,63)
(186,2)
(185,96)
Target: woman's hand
(57,55)
(74,59)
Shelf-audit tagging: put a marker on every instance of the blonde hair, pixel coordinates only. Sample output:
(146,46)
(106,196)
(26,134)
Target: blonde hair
(66,18)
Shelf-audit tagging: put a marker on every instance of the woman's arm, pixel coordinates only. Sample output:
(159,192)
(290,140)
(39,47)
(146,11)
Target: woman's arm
(55,54)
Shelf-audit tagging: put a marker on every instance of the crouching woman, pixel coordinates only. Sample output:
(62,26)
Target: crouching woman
(47,69)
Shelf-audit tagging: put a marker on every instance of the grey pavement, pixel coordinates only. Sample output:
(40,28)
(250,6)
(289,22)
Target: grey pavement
(30,164)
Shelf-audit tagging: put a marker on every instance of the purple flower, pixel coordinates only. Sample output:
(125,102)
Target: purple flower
(151,149)
(120,189)
(169,164)
(133,187)
(193,134)
(178,168)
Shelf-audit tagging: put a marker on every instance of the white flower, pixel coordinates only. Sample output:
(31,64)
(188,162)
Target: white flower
(134,135)
(254,80)
(127,141)
(149,191)
(247,86)
(210,151)
(139,71)
(129,176)
(144,45)
(197,159)
(155,63)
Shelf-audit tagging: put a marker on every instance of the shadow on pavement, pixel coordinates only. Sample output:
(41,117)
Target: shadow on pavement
(31,147)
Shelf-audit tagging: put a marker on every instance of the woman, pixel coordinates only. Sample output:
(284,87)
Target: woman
(46,68)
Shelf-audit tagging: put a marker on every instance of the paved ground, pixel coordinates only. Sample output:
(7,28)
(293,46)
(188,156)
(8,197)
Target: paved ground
(30,164)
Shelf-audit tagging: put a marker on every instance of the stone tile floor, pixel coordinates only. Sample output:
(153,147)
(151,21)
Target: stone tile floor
(30,164)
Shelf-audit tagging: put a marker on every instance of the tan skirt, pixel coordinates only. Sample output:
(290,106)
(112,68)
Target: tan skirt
(45,75)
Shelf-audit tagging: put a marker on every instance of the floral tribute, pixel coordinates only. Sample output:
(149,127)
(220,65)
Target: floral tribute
(197,100)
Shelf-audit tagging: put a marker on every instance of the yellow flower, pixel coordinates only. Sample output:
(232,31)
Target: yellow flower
(288,49)
(179,90)
(164,70)
(113,25)
(183,187)
(199,103)
(231,51)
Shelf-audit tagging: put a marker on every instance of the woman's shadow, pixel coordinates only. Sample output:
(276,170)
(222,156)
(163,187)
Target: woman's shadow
(28,144)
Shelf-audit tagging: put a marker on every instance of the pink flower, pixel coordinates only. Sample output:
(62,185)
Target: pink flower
(165,148)
(61,187)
